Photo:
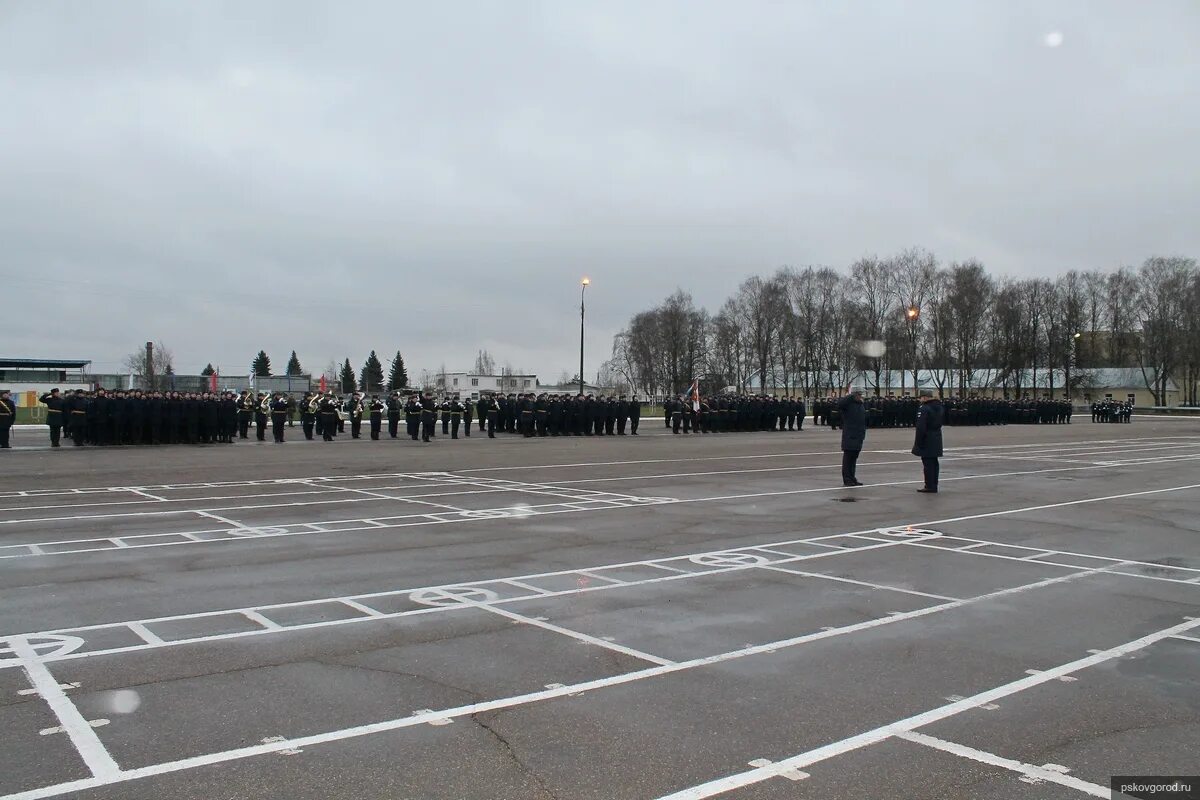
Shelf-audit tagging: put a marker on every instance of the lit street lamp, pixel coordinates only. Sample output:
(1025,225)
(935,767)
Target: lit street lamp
(911,315)
(582,292)
(1071,362)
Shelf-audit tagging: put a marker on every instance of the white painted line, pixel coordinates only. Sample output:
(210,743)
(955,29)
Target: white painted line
(380,496)
(466,517)
(583,637)
(1037,774)
(63,686)
(856,583)
(790,774)
(145,633)
(537,590)
(424,717)
(269,624)
(357,606)
(78,729)
(95,723)
(659,565)
(231,523)
(737,781)
(614,581)
(147,495)
(1188,638)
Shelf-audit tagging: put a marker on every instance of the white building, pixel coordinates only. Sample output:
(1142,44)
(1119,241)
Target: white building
(465,384)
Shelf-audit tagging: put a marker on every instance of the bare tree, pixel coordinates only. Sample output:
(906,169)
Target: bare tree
(1164,285)
(1122,317)
(970,296)
(484,363)
(148,367)
(913,274)
(871,282)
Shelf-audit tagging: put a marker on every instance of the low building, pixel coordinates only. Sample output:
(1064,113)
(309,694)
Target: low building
(573,389)
(30,378)
(470,385)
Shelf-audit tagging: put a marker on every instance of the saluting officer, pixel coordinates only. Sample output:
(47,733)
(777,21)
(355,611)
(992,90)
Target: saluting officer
(8,415)
(54,415)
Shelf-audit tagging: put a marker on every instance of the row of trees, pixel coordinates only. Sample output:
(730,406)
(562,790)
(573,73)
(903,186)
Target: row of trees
(369,379)
(955,326)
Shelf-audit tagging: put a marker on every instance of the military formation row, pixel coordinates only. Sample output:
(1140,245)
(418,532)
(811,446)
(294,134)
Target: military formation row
(528,415)
(151,418)
(136,417)
(729,412)
(1112,411)
(901,412)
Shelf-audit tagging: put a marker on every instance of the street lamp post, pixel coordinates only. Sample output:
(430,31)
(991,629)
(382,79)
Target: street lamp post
(1071,363)
(582,292)
(911,315)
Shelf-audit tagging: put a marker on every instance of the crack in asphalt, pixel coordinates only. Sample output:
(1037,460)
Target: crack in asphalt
(415,675)
(516,759)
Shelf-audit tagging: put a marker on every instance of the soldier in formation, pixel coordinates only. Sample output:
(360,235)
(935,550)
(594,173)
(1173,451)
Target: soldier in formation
(1109,410)
(891,411)
(725,413)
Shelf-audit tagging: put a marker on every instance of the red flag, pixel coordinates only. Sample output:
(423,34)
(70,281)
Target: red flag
(322,384)
(212,382)
(694,394)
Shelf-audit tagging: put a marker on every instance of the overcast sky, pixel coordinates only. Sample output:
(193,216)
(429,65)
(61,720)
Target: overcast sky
(436,177)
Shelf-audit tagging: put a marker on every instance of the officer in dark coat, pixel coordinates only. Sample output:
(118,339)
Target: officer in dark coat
(429,409)
(54,415)
(375,410)
(456,411)
(412,416)
(854,433)
(279,415)
(490,409)
(635,415)
(8,415)
(394,407)
(928,444)
(486,401)
(308,414)
(327,411)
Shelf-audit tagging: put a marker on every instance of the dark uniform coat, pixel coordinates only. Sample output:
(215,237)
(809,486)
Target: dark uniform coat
(928,443)
(854,422)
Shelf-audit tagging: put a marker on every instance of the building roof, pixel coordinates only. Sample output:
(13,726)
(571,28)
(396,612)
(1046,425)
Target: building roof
(42,363)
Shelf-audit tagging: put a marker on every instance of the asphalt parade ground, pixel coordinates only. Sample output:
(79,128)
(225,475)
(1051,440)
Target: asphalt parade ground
(618,617)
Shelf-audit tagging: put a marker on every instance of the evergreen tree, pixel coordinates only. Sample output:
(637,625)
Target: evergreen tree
(372,374)
(349,384)
(208,370)
(293,366)
(398,377)
(261,365)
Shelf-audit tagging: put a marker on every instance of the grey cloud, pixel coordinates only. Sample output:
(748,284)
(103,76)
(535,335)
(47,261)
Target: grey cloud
(435,178)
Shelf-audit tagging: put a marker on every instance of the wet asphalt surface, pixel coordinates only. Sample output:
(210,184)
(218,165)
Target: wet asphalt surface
(609,617)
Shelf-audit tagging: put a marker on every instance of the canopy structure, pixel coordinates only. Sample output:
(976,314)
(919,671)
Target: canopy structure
(43,363)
